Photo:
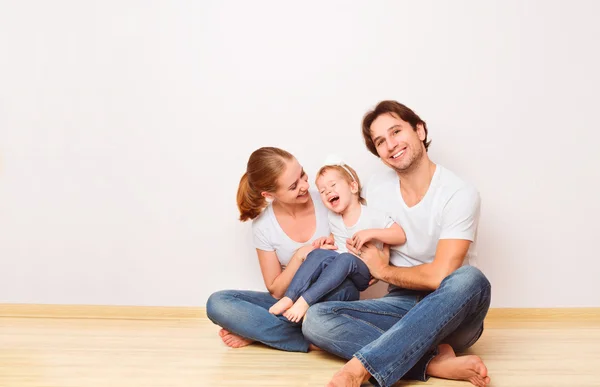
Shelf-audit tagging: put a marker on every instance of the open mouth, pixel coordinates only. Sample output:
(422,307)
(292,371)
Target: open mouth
(303,195)
(334,200)
(399,154)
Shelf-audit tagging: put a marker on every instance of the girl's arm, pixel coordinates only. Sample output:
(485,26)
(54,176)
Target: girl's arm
(393,236)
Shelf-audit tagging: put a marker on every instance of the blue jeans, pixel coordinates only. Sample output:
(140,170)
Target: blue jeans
(325,270)
(246,313)
(396,336)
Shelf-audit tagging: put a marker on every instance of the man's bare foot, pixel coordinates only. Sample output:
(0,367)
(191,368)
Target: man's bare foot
(281,306)
(447,365)
(233,341)
(297,311)
(352,374)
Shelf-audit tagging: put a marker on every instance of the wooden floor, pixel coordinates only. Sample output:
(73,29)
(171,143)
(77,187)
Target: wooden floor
(67,352)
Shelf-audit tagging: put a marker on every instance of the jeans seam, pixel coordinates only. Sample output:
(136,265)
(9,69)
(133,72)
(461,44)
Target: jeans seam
(369,369)
(338,311)
(442,327)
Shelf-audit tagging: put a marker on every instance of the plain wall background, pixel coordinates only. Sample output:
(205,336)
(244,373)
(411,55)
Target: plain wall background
(126,125)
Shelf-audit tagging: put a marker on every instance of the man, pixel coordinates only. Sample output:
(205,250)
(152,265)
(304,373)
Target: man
(437,301)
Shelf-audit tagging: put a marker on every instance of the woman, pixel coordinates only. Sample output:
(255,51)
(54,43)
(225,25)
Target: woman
(286,219)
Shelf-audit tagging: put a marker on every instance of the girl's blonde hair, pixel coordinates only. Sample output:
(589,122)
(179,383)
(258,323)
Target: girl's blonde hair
(347,173)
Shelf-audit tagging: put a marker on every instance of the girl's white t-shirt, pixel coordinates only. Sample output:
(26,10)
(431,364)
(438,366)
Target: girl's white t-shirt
(269,236)
(369,218)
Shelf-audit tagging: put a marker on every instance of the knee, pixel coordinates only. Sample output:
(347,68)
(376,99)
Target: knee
(219,306)
(467,279)
(314,323)
(347,258)
(319,254)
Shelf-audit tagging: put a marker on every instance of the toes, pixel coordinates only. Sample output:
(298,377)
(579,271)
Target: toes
(487,380)
(223,332)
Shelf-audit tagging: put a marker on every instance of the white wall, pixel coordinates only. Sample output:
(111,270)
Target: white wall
(125,126)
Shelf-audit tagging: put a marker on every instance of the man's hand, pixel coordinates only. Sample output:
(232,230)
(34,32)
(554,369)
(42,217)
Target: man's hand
(376,260)
(325,243)
(362,237)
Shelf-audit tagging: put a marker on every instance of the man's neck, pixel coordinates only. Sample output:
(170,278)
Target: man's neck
(415,182)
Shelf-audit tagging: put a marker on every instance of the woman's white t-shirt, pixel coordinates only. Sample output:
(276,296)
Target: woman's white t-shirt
(269,236)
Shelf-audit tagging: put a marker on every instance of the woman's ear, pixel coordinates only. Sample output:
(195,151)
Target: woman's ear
(268,197)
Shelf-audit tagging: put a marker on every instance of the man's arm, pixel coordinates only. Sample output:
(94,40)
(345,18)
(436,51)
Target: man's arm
(449,256)
(459,225)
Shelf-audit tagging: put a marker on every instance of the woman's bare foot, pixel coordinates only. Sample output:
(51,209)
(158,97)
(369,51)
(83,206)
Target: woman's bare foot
(352,374)
(281,306)
(297,311)
(233,341)
(447,365)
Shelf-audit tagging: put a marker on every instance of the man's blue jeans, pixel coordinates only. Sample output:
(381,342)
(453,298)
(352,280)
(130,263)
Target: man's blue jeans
(396,336)
(246,313)
(325,270)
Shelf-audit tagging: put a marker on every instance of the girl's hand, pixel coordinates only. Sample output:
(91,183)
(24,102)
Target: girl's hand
(362,237)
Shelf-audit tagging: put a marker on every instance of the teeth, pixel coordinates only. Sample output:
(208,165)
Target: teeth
(398,154)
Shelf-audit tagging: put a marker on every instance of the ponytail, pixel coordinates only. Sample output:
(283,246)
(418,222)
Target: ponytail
(250,203)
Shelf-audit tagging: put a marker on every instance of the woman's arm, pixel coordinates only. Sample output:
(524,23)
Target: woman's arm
(277,280)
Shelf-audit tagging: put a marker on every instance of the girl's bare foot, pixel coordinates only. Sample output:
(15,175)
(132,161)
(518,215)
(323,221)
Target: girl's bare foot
(447,365)
(297,311)
(281,306)
(312,347)
(233,341)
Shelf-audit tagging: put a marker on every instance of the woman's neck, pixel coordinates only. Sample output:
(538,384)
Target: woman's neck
(292,210)
(351,214)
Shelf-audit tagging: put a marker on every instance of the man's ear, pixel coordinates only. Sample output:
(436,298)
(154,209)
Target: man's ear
(421,132)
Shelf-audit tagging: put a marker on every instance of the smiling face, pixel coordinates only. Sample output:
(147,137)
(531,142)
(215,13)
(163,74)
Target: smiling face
(398,144)
(338,190)
(292,184)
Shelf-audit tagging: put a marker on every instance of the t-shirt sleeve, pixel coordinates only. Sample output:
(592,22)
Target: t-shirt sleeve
(381,219)
(260,240)
(387,221)
(460,216)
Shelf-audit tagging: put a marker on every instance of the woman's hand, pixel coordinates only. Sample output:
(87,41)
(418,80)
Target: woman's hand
(324,241)
(303,252)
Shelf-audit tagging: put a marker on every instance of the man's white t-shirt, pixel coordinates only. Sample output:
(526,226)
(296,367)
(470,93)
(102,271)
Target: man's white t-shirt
(369,218)
(269,236)
(449,210)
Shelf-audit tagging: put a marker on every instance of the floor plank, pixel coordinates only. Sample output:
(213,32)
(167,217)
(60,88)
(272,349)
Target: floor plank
(66,352)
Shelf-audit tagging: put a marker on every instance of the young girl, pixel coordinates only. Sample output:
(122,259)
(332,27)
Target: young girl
(350,221)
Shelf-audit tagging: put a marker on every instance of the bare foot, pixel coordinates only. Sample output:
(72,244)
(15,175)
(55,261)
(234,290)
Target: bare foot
(297,311)
(312,347)
(352,374)
(281,306)
(447,365)
(233,341)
